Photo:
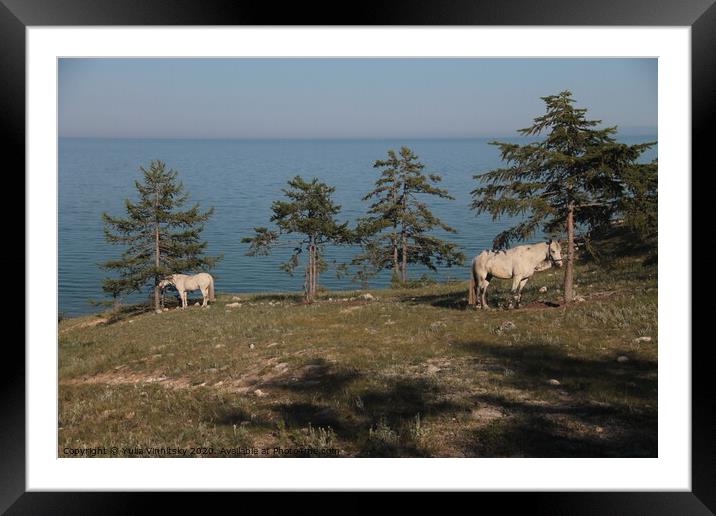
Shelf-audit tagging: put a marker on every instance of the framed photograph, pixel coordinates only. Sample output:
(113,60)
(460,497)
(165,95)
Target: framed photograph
(271,236)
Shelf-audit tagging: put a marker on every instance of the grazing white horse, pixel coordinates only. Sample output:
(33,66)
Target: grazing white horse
(518,263)
(183,283)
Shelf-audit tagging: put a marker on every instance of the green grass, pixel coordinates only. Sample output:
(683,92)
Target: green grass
(414,373)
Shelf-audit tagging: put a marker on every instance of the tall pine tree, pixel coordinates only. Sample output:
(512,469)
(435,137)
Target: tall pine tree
(311,214)
(574,177)
(397,230)
(160,239)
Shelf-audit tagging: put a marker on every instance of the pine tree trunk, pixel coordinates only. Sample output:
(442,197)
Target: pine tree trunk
(404,238)
(157,300)
(396,267)
(307,280)
(569,269)
(405,258)
(311,274)
(314,276)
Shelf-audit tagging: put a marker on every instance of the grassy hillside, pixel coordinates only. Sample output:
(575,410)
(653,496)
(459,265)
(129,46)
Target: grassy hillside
(411,373)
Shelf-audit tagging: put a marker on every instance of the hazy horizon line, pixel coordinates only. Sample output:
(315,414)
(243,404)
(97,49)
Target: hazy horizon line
(641,131)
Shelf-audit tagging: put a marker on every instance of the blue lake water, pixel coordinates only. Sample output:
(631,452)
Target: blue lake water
(240,179)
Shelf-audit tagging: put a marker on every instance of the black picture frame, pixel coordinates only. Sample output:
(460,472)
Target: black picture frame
(16,15)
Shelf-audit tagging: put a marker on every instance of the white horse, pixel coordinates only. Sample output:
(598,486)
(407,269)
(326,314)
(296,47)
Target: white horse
(518,263)
(183,283)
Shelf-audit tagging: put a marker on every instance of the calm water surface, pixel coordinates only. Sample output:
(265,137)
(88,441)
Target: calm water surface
(240,179)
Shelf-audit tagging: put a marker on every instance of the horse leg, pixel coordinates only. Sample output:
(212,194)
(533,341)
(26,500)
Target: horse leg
(477,292)
(474,295)
(488,278)
(205,295)
(514,291)
(182,294)
(519,291)
(483,293)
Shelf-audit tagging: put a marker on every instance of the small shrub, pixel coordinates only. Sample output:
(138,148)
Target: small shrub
(382,440)
(416,429)
(319,437)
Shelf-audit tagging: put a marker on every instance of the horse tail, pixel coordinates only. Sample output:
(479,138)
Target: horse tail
(471,296)
(212,297)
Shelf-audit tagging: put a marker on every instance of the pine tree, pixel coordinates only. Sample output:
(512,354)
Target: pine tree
(396,231)
(160,239)
(309,213)
(574,177)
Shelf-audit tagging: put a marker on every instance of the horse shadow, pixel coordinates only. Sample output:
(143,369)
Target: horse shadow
(451,300)
(498,299)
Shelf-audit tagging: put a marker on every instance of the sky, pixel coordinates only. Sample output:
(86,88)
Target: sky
(344,98)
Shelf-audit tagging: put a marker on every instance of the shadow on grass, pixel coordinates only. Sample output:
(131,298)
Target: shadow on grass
(123,312)
(600,408)
(453,300)
(318,377)
(533,365)
(526,434)
(370,422)
(238,417)
(497,299)
(293,298)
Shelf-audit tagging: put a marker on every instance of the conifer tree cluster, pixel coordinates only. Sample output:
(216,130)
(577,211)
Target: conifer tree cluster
(395,233)
(572,176)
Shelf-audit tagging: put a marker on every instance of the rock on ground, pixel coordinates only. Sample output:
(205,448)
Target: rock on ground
(368,296)
(622,359)
(642,339)
(543,290)
(506,326)
(232,305)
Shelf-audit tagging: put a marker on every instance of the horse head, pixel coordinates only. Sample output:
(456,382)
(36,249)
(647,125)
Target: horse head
(167,281)
(554,252)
